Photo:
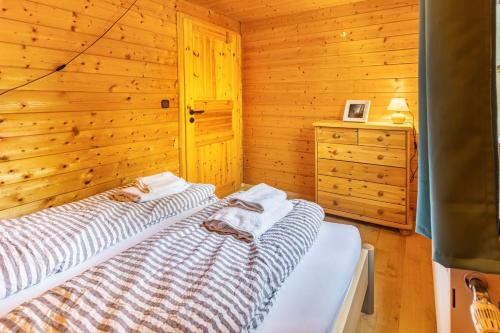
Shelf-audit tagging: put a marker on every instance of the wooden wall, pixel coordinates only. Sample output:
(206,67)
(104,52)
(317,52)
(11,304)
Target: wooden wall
(98,124)
(251,10)
(302,68)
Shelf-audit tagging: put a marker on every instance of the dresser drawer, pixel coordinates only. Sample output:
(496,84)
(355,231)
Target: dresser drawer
(360,171)
(363,207)
(363,154)
(346,136)
(362,189)
(382,138)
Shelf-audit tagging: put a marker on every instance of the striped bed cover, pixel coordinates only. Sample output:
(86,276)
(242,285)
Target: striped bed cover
(38,245)
(183,279)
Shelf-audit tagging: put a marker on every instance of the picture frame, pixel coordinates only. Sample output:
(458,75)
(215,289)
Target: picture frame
(357,111)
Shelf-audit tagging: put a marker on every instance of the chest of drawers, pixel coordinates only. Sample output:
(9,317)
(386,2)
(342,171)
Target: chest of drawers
(363,171)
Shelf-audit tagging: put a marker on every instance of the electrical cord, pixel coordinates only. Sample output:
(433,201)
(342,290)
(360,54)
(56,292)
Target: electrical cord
(63,66)
(415,150)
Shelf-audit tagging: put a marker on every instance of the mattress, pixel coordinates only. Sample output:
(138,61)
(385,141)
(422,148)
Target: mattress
(9,303)
(312,296)
(309,300)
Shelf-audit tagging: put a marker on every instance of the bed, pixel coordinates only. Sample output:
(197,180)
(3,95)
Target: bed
(338,284)
(11,302)
(326,291)
(36,246)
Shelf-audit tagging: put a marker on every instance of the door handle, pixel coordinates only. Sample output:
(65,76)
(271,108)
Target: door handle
(193,112)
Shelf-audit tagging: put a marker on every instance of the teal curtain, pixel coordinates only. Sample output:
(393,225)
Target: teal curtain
(458,159)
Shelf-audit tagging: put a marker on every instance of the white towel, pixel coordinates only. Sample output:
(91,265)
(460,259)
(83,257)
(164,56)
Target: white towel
(133,194)
(159,182)
(259,198)
(245,224)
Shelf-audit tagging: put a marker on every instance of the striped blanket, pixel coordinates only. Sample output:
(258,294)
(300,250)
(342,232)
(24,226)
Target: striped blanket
(36,246)
(183,279)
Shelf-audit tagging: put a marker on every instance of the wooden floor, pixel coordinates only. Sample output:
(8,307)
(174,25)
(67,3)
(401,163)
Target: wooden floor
(404,298)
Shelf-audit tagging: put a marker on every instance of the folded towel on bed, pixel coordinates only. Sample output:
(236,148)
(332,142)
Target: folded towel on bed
(245,224)
(259,198)
(159,182)
(134,194)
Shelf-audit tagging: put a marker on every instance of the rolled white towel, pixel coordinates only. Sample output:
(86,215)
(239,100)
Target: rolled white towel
(245,224)
(259,198)
(133,194)
(159,182)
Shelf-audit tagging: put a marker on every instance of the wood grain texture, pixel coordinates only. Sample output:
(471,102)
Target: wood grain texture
(363,154)
(299,69)
(404,297)
(98,124)
(373,211)
(245,11)
(362,189)
(208,15)
(358,187)
(210,69)
(362,171)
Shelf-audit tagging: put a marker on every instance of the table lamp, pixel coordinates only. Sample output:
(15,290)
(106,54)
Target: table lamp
(398,105)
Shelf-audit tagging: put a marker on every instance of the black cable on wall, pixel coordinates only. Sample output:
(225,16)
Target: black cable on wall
(62,66)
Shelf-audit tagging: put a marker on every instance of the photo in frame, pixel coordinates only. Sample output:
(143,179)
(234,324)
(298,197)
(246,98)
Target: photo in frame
(357,110)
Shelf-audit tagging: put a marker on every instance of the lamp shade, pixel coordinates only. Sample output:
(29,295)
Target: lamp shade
(398,104)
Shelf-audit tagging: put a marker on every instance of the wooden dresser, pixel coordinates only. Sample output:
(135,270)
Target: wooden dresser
(363,172)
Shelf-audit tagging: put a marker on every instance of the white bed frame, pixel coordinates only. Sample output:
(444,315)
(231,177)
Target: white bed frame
(360,295)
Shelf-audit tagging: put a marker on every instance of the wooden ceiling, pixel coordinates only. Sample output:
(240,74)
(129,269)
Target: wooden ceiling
(245,11)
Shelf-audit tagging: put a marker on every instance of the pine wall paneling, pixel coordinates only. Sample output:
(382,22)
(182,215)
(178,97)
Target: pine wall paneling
(251,10)
(298,69)
(208,15)
(97,124)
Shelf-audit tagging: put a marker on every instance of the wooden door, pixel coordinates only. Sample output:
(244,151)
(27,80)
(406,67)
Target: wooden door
(210,81)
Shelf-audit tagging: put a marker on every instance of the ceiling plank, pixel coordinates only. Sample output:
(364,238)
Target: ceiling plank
(246,11)
(207,14)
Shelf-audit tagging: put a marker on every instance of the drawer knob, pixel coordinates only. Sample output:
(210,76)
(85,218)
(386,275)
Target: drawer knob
(336,136)
(380,193)
(380,157)
(380,212)
(335,203)
(335,152)
(380,138)
(335,186)
(380,176)
(334,169)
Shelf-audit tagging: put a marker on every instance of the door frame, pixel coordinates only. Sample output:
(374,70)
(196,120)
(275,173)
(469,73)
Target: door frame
(182,95)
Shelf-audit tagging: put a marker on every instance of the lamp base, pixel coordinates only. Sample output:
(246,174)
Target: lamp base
(398,118)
